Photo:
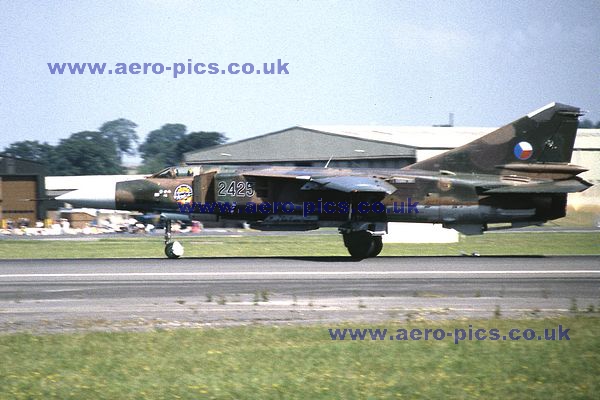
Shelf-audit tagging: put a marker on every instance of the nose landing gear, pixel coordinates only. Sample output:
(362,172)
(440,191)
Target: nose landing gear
(173,249)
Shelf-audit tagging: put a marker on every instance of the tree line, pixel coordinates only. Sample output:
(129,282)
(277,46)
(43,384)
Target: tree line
(101,152)
(589,124)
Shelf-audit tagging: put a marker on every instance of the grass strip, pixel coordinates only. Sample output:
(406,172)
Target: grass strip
(270,362)
(550,243)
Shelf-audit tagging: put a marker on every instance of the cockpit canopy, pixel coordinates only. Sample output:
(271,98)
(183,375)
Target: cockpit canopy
(178,172)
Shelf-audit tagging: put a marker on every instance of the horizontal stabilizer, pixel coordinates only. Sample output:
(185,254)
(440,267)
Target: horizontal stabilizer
(566,186)
(544,168)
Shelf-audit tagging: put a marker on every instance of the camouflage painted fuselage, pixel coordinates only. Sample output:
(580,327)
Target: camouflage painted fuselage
(519,174)
(457,201)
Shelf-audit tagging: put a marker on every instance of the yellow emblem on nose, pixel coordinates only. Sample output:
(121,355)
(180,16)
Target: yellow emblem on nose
(183,194)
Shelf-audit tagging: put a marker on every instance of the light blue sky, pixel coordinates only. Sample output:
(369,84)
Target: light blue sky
(366,62)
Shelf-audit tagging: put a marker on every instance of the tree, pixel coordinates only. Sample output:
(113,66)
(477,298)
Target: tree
(152,165)
(587,124)
(43,153)
(122,133)
(100,152)
(87,153)
(160,147)
(197,141)
(30,150)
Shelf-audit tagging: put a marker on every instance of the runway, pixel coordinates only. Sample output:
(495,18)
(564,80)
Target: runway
(117,294)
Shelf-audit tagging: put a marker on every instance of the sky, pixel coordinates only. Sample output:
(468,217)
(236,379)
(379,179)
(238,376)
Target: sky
(349,63)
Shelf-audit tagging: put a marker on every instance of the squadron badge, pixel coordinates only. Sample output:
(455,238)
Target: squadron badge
(183,194)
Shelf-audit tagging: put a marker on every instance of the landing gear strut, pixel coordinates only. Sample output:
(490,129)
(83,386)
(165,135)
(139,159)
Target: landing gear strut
(363,239)
(362,244)
(173,249)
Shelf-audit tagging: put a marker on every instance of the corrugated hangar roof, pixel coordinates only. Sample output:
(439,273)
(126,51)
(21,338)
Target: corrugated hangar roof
(319,142)
(300,144)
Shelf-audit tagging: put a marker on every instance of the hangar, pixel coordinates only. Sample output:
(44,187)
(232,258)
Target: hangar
(307,147)
(21,191)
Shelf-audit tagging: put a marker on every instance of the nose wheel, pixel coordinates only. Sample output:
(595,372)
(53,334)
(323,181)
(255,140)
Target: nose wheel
(173,249)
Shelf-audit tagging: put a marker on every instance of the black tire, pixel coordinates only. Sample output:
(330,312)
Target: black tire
(377,246)
(360,245)
(169,252)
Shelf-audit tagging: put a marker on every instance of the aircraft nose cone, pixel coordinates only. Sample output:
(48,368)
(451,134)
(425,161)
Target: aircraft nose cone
(97,196)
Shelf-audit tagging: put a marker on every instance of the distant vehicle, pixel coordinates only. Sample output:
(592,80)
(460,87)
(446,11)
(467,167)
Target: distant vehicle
(518,174)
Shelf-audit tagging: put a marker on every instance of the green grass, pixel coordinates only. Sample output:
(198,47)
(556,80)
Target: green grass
(581,218)
(547,243)
(300,245)
(301,363)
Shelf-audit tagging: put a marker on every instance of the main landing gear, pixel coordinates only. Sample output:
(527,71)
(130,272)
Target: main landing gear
(363,243)
(173,249)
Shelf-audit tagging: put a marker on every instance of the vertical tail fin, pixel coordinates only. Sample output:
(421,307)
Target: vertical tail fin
(546,135)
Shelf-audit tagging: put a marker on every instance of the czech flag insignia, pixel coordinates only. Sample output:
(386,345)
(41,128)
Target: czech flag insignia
(523,150)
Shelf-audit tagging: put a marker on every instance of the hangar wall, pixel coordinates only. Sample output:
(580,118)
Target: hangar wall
(21,191)
(590,159)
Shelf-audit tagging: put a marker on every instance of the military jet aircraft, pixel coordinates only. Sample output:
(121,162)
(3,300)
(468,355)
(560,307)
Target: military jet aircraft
(518,174)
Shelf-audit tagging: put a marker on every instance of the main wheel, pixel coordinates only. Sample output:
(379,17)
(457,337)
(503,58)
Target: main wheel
(377,246)
(361,245)
(174,249)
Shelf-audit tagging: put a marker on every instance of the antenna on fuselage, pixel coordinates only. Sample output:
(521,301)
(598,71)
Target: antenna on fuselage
(328,161)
